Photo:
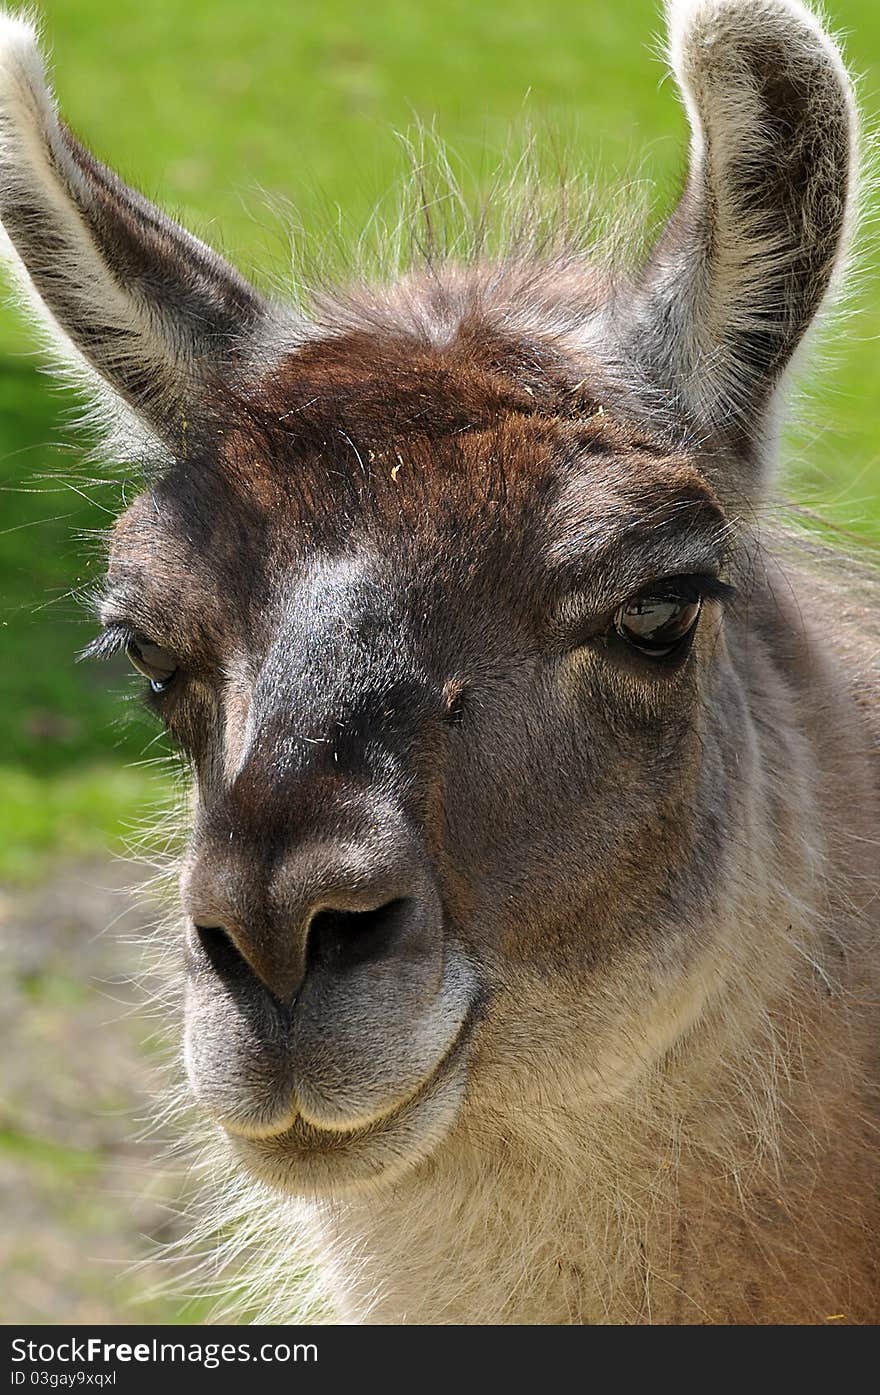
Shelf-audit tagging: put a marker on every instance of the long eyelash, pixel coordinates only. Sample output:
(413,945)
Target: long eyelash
(107,643)
(692,588)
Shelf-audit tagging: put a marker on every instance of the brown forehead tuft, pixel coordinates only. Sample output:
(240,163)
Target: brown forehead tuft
(455,448)
(319,422)
(486,460)
(480,448)
(390,386)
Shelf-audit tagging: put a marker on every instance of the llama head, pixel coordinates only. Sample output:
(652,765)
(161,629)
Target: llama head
(432,593)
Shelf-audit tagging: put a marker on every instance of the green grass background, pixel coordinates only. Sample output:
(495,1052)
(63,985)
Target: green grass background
(210,106)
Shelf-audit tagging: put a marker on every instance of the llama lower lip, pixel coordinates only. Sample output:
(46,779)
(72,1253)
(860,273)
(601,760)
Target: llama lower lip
(305,1159)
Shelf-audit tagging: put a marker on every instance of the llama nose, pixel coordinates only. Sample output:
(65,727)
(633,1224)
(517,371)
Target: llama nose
(323,913)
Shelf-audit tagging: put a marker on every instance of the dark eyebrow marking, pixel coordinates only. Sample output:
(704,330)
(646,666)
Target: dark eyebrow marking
(612,575)
(710,587)
(611,543)
(591,604)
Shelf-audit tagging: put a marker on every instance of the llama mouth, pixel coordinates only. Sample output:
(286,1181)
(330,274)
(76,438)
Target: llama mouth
(303,1158)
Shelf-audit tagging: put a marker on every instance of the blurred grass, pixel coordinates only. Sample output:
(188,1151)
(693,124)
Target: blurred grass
(205,105)
(67,812)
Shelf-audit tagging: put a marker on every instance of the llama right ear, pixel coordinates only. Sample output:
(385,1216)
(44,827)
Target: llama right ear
(119,286)
(760,235)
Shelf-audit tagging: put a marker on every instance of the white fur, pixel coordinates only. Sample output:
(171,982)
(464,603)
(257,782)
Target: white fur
(146,331)
(707,43)
(29,148)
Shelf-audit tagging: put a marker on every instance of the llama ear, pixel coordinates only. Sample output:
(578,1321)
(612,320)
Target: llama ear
(121,288)
(759,238)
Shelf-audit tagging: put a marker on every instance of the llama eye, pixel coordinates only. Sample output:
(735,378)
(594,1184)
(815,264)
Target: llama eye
(658,624)
(152,661)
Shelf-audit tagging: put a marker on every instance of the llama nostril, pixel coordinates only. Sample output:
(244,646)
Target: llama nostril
(339,939)
(222,953)
(321,908)
(241,965)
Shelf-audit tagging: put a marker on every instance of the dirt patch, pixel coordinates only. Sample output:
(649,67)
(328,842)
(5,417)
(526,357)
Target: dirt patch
(88,1196)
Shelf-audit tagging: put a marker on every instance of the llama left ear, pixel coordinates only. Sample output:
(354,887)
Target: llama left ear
(150,313)
(759,238)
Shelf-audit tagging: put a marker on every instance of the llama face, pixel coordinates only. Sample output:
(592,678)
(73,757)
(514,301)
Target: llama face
(444,692)
(431,589)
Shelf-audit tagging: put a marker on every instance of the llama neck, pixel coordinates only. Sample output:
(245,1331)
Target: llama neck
(669,1210)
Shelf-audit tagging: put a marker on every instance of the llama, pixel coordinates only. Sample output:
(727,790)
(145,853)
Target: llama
(528,950)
